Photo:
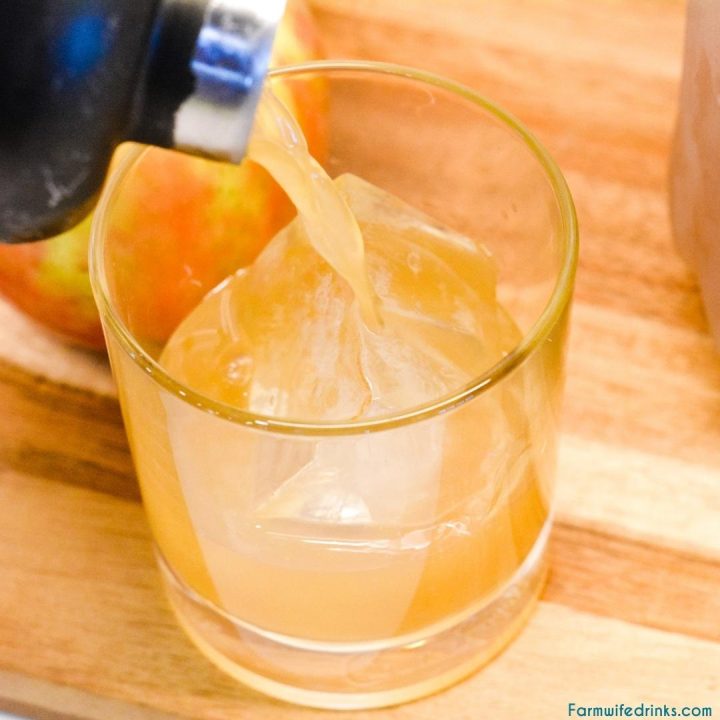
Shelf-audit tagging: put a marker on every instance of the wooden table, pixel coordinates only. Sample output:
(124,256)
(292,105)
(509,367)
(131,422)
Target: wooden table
(632,611)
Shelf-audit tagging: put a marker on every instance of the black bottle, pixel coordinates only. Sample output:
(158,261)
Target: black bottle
(77,77)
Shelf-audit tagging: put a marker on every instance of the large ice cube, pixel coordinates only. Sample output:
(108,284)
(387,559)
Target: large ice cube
(388,478)
(285,337)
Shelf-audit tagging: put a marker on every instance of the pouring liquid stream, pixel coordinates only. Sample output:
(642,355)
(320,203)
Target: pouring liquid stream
(279,145)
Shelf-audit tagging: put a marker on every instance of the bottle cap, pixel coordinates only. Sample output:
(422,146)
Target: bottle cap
(228,63)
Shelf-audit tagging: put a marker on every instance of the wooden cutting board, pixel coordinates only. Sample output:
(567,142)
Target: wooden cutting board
(632,610)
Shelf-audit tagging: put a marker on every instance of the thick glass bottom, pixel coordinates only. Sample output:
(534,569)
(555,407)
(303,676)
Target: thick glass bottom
(360,675)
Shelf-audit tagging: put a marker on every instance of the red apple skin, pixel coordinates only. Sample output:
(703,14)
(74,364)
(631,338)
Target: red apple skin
(197,213)
(177,227)
(49,281)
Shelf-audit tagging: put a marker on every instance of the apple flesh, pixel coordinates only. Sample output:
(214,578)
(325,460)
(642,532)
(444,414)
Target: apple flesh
(186,222)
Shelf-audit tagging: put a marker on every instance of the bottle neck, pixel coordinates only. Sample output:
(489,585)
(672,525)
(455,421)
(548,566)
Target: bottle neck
(206,66)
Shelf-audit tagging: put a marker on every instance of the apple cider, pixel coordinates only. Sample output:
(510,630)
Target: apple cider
(361,307)
(346,448)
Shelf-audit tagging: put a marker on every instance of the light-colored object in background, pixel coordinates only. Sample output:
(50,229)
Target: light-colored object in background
(695,171)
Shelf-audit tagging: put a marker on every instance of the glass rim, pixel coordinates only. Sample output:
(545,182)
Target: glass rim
(559,298)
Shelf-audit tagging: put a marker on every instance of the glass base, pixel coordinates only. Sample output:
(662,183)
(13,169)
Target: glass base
(358,676)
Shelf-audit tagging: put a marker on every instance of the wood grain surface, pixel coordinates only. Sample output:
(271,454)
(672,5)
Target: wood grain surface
(632,610)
